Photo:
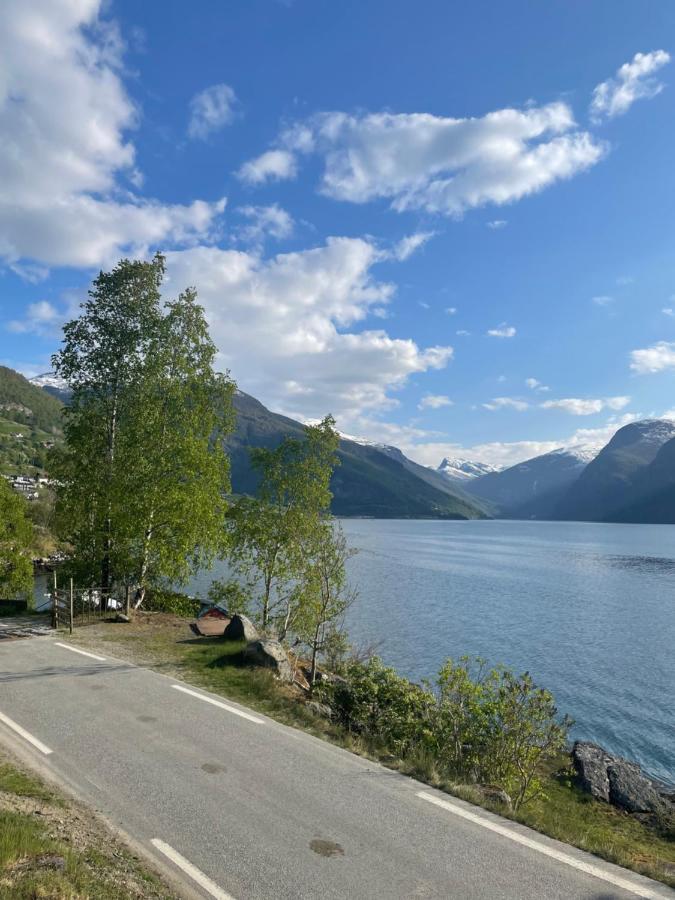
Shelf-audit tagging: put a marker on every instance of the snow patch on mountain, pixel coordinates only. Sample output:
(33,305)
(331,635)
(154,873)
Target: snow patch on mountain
(465,469)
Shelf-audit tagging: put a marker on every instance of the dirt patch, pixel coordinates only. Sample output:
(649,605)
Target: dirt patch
(326,848)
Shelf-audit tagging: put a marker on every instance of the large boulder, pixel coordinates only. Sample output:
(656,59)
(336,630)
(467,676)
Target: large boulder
(616,780)
(241,629)
(269,655)
(629,789)
(591,762)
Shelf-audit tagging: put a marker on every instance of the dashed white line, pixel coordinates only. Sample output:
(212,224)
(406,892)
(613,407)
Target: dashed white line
(513,835)
(195,874)
(232,709)
(81,652)
(26,735)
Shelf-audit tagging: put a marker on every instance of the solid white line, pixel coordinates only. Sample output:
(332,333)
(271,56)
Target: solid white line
(195,874)
(43,748)
(237,712)
(81,652)
(512,835)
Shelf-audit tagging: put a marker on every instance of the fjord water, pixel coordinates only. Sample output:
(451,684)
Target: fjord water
(588,609)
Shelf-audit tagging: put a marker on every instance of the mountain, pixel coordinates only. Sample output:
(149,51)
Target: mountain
(460,470)
(53,385)
(533,489)
(371,480)
(651,497)
(30,420)
(617,476)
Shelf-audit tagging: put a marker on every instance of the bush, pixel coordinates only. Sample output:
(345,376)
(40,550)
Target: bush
(169,602)
(474,724)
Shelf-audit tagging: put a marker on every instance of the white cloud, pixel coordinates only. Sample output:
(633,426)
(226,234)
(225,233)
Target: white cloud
(420,161)
(263,221)
(66,164)
(668,311)
(496,224)
(586,407)
(656,358)
(274,165)
(535,385)
(507,403)
(603,300)
(451,310)
(633,81)
(210,110)
(412,242)
(504,331)
(292,320)
(434,401)
(463,333)
(42,318)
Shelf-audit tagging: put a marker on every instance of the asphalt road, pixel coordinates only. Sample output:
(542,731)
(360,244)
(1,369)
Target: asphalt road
(241,807)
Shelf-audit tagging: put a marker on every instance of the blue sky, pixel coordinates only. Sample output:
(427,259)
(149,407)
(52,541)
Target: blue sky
(449,224)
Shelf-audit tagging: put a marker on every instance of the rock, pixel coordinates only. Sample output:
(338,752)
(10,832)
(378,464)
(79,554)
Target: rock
(241,629)
(490,792)
(629,789)
(319,709)
(591,762)
(120,617)
(269,655)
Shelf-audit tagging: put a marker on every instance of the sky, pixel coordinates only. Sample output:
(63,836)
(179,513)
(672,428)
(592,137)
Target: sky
(449,224)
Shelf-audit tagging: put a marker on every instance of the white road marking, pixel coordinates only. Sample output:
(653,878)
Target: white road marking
(513,835)
(27,736)
(81,652)
(237,712)
(195,874)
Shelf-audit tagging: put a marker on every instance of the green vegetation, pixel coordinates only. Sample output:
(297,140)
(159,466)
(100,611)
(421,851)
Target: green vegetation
(143,476)
(50,848)
(16,539)
(30,422)
(560,810)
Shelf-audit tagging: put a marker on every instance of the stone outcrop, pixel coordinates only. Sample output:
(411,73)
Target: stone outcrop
(618,781)
(241,629)
(269,655)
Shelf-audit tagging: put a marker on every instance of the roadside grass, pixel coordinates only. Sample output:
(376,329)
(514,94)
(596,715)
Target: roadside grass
(49,848)
(164,643)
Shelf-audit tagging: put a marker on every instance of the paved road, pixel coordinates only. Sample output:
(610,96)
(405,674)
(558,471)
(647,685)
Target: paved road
(258,810)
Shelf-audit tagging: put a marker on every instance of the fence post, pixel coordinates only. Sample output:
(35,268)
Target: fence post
(55,605)
(71,605)
(127,604)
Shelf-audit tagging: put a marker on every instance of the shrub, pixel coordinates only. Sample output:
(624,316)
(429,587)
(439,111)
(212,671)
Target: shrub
(169,602)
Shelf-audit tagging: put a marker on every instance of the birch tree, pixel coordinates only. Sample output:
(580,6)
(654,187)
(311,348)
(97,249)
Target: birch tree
(16,533)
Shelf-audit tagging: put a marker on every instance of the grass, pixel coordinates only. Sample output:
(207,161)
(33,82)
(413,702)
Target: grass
(51,848)
(164,643)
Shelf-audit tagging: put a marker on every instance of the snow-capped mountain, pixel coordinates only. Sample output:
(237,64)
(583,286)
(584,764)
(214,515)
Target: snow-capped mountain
(463,470)
(54,385)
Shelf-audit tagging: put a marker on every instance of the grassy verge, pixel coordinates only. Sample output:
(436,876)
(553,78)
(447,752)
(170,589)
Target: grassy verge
(52,848)
(163,642)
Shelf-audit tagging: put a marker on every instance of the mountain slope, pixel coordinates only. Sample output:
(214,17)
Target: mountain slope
(461,470)
(371,480)
(651,497)
(532,489)
(605,484)
(30,420)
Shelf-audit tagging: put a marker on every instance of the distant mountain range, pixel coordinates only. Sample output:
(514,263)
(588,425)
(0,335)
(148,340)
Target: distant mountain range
(631,479)
(461,470)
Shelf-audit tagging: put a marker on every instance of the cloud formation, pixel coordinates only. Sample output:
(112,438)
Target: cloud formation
(264,221)
(287,326)
(419,161)
(67,168)
(633,81)
(434,401)
(210,110)
(507,403)
(274,165)
(586,407)
(656,358)
(504,331)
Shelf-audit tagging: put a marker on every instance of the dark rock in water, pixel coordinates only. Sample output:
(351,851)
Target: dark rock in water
(591,762)
(269,655)
(629,789)
(617,781)
(241,629)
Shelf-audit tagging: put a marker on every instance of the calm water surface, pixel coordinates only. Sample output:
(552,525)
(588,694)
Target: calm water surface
(587,609)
